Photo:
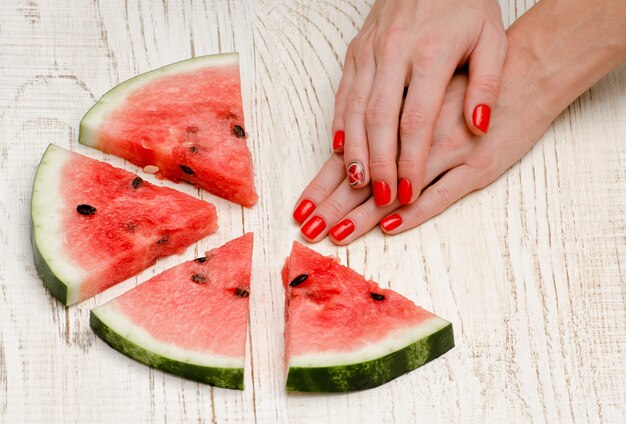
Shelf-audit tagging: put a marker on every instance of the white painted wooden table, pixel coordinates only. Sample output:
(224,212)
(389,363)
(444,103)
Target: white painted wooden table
(531,270)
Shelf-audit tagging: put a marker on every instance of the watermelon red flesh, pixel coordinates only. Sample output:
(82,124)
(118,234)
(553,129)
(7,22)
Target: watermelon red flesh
(192,315)
(135,222)
(186,119)
(333,323)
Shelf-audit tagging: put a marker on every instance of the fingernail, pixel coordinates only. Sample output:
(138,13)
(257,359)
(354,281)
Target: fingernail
(313,227)
(405,191)
(304,209)
(382,194)
(481,117)
(342,230)
(391,222)
(356,173)
(339,140)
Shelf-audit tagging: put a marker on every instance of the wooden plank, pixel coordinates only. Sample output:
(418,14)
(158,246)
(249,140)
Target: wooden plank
(530,270)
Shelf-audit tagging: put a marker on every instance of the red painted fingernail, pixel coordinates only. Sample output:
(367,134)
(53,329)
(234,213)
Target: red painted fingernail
(342,230)
(382,194)
(391,222)
(481,117)
(356,173)
(339,140)
(304,209)
(313,227)
(405,191)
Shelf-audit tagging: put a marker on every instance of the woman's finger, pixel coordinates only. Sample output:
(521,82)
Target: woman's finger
(355,151)
(485,70)
(330,211)
(323,185)
(359,221)
(421,109)
(349,69)
(452,186)
(381,123)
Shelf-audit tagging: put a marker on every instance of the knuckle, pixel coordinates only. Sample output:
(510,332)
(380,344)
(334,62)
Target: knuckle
(379,165)
(412,120)
(443,193)
(333,207)
(428,48)
(378,112)
(408,166)
(488,84)
(391,41)
(341,93)
(356,102)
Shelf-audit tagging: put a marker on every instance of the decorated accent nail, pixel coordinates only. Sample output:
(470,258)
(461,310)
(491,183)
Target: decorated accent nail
(481,117)
(313,227)
(342,230)
(356,173)
(304,209)
(339,140)
(405,191)
(382,194)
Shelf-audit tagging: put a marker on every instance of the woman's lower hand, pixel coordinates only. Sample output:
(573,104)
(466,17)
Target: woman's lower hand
(459,162)
(416,44)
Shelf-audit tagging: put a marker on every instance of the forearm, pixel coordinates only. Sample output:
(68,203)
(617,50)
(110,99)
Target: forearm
(564,46)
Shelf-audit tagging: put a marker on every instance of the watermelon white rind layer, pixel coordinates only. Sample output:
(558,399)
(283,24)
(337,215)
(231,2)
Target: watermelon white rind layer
(368,374)
(59,274)
(121,334)
(113,98)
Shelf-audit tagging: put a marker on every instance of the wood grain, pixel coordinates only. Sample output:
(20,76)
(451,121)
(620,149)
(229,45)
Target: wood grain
(531,270)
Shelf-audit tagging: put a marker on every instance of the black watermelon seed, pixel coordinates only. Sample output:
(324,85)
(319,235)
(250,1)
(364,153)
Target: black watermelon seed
(406,91)
(239,132)
(137,182)
(193,149)
(162,240)
(298,280)
(198,278)
(186,170)
(242,293)
(85,209)
(377,296)
(201,260)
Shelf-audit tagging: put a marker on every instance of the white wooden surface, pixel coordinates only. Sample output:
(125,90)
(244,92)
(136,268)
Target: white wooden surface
(531,270)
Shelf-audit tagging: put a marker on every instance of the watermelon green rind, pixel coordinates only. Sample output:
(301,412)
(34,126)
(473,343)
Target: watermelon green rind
(59,275)
(373,373)
(57,287)
(105,327)
(113,98)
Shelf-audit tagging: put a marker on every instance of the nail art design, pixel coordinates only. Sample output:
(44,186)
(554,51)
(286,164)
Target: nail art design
(356,173)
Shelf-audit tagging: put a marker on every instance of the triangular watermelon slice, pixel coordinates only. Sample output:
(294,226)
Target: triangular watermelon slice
(183,122)
(94,225)
(345,333)
(190,320)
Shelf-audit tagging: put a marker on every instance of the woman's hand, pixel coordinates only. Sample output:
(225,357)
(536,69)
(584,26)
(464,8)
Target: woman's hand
(543,73)
(459,163)
(416,44)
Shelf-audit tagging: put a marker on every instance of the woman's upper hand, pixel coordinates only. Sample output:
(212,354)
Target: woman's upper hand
(416,44)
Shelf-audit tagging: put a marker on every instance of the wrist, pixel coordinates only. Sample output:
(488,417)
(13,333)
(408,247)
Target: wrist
(563,48)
